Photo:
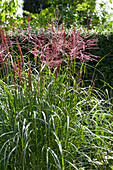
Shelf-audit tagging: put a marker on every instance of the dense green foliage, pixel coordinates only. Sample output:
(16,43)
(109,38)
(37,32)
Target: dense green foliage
(105,44)
(56,106)
(70,11)
(8,13)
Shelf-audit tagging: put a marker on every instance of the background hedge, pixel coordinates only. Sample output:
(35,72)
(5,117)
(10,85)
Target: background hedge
(105,51)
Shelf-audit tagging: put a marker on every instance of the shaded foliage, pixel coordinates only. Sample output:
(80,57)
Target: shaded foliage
(70,11)
(35,6)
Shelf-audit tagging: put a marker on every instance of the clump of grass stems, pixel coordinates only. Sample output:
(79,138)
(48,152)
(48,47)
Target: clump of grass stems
(49,119)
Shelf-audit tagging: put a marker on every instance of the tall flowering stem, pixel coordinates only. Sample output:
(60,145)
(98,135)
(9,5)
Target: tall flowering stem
(29,75)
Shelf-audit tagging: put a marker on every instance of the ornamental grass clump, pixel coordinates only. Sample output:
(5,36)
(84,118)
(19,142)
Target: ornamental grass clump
(50,121)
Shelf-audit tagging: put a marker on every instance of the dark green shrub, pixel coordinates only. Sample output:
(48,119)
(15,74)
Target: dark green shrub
(105,65)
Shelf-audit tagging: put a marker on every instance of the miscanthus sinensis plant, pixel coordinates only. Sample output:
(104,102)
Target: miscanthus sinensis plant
(48,118)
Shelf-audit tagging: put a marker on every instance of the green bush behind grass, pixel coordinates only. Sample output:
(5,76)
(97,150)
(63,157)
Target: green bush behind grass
(105,65)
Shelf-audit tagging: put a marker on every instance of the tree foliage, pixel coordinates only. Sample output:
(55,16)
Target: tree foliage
(70,10)
(76,13)
(8,12)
